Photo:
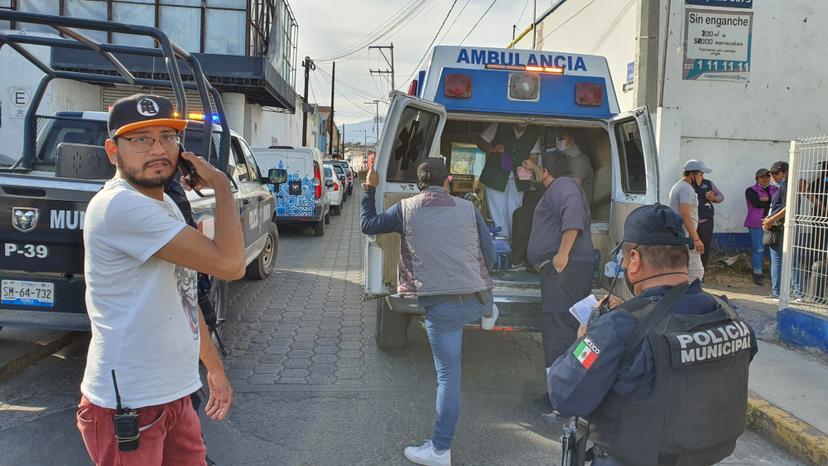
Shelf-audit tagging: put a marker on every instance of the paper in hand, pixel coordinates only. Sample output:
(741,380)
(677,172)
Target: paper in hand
(583,309)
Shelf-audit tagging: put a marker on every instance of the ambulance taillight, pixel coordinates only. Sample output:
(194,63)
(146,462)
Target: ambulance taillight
(589,94)
(412,88)
(458,86)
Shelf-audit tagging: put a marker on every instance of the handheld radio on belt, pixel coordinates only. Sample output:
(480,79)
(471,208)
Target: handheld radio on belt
(126,423)
(573,442)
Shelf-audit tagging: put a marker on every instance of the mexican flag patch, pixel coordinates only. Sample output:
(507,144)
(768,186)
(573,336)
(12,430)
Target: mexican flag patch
(586,352)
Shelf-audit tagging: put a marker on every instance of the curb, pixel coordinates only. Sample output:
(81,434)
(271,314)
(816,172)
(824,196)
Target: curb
(788,432)
(40,349)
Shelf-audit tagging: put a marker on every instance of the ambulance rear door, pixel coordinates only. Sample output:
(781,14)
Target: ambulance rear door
(412,131)
(635,170)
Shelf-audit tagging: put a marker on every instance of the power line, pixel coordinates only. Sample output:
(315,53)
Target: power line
(428,49)
(567,20)
(412,10)
(459,14)
(522,12)
(350,87)
(478,21)
(340,94)
(367,37)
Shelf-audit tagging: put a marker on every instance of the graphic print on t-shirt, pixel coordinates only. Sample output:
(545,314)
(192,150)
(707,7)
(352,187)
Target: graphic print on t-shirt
(186,279)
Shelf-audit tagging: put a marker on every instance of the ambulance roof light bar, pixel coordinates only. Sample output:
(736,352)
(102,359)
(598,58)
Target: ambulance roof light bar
(531,69)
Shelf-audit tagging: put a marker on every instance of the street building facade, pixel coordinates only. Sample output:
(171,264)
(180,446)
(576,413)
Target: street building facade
(248,52)
(727,82)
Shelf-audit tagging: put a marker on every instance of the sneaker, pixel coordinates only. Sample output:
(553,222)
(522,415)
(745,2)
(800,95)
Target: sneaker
(426,455)
(771,297)
(488,323)
(521,267)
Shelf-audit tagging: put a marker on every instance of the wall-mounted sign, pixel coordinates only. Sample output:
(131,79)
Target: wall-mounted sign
(19,97)
(722,3)
(717,45)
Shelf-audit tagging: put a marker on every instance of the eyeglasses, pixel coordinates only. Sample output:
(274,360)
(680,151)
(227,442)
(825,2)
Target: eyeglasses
(141,144)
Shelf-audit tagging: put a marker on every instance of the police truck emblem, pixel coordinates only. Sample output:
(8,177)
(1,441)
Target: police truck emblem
(24,219)
(147,107)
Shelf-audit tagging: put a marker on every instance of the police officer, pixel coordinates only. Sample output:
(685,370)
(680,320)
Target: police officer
(662,378)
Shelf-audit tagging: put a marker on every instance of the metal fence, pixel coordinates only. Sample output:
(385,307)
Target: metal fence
(805,250)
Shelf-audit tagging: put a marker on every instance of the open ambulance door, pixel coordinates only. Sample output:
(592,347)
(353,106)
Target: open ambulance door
(412,132)
(635,174)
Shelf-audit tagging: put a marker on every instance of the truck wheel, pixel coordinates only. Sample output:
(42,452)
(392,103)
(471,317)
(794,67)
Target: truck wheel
(319,228)
(337,209)
(219,291)
(392,327)
(327,218)
(263,266)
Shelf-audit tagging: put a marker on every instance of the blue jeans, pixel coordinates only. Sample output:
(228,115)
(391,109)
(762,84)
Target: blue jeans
(758,249)
(776,271)
(797,277)
(445,318)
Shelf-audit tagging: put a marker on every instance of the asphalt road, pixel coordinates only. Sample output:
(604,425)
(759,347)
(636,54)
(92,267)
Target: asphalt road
(313,389)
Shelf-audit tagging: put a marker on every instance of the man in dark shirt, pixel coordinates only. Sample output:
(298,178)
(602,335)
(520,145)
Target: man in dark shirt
(779,171)
(560,248)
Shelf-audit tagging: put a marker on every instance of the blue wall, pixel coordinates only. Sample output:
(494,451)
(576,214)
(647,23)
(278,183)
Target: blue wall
(802,328)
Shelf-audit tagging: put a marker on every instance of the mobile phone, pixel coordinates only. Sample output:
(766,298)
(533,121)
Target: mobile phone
(186,168)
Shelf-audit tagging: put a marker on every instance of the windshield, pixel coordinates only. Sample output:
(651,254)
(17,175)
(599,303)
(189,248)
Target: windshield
(339,170)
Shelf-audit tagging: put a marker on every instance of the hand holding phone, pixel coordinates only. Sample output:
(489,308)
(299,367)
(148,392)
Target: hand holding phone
(188,171)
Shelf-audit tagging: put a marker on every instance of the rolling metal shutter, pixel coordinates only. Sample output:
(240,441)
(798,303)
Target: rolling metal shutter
(110,94)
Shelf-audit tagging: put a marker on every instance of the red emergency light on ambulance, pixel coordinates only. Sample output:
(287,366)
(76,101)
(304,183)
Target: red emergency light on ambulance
(468,94)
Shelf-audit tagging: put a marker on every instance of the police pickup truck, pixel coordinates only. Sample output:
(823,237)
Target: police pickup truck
(44,195)
(458,97)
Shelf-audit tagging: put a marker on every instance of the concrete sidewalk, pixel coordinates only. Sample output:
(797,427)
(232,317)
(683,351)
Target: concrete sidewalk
(789,388)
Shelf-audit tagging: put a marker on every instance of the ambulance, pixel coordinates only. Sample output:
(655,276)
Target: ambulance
(460,93)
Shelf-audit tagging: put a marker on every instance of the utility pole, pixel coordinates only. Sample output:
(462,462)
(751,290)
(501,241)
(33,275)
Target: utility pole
(365,145)
(390,63)
(309,65)
(375,103)
(342,142)
(534,24)
(331,117)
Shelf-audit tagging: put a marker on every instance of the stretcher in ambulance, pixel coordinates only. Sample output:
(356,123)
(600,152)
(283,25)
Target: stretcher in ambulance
(462,91)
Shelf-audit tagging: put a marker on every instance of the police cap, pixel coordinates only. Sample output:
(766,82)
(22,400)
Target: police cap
(655,224)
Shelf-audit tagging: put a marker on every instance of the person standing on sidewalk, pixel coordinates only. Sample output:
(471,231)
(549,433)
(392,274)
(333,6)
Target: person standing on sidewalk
(708,195)
(141,260)
(685,201)
(662,378)
(758,198)
(776,218)
(560,248)
(446,252)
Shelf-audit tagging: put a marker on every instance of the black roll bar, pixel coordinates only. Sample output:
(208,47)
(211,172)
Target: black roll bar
(169,51)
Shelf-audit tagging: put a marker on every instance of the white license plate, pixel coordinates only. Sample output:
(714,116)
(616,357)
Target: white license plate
(25,293)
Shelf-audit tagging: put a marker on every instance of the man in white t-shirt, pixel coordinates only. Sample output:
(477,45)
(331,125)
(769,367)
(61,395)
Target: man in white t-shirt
(140,262)
(685,201)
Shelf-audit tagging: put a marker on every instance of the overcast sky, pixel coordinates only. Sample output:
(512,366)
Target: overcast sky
(328,26)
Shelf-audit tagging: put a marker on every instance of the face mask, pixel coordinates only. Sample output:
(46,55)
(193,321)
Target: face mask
(630,284)
(561,145)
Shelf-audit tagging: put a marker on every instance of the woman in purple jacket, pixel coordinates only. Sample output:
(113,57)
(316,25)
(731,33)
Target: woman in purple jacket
(758,198)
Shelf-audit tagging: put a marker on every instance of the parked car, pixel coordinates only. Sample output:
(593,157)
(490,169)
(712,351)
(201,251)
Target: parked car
(301,200)
(43,199)
(343,180)
(349,174)
(334,190)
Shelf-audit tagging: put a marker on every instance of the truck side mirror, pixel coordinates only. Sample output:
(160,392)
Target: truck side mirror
(329,183)
(276,176)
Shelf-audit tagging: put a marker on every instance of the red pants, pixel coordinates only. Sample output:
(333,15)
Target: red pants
(170,435)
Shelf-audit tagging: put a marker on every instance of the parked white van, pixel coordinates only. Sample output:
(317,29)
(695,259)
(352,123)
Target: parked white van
(462,91)
(302,199)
